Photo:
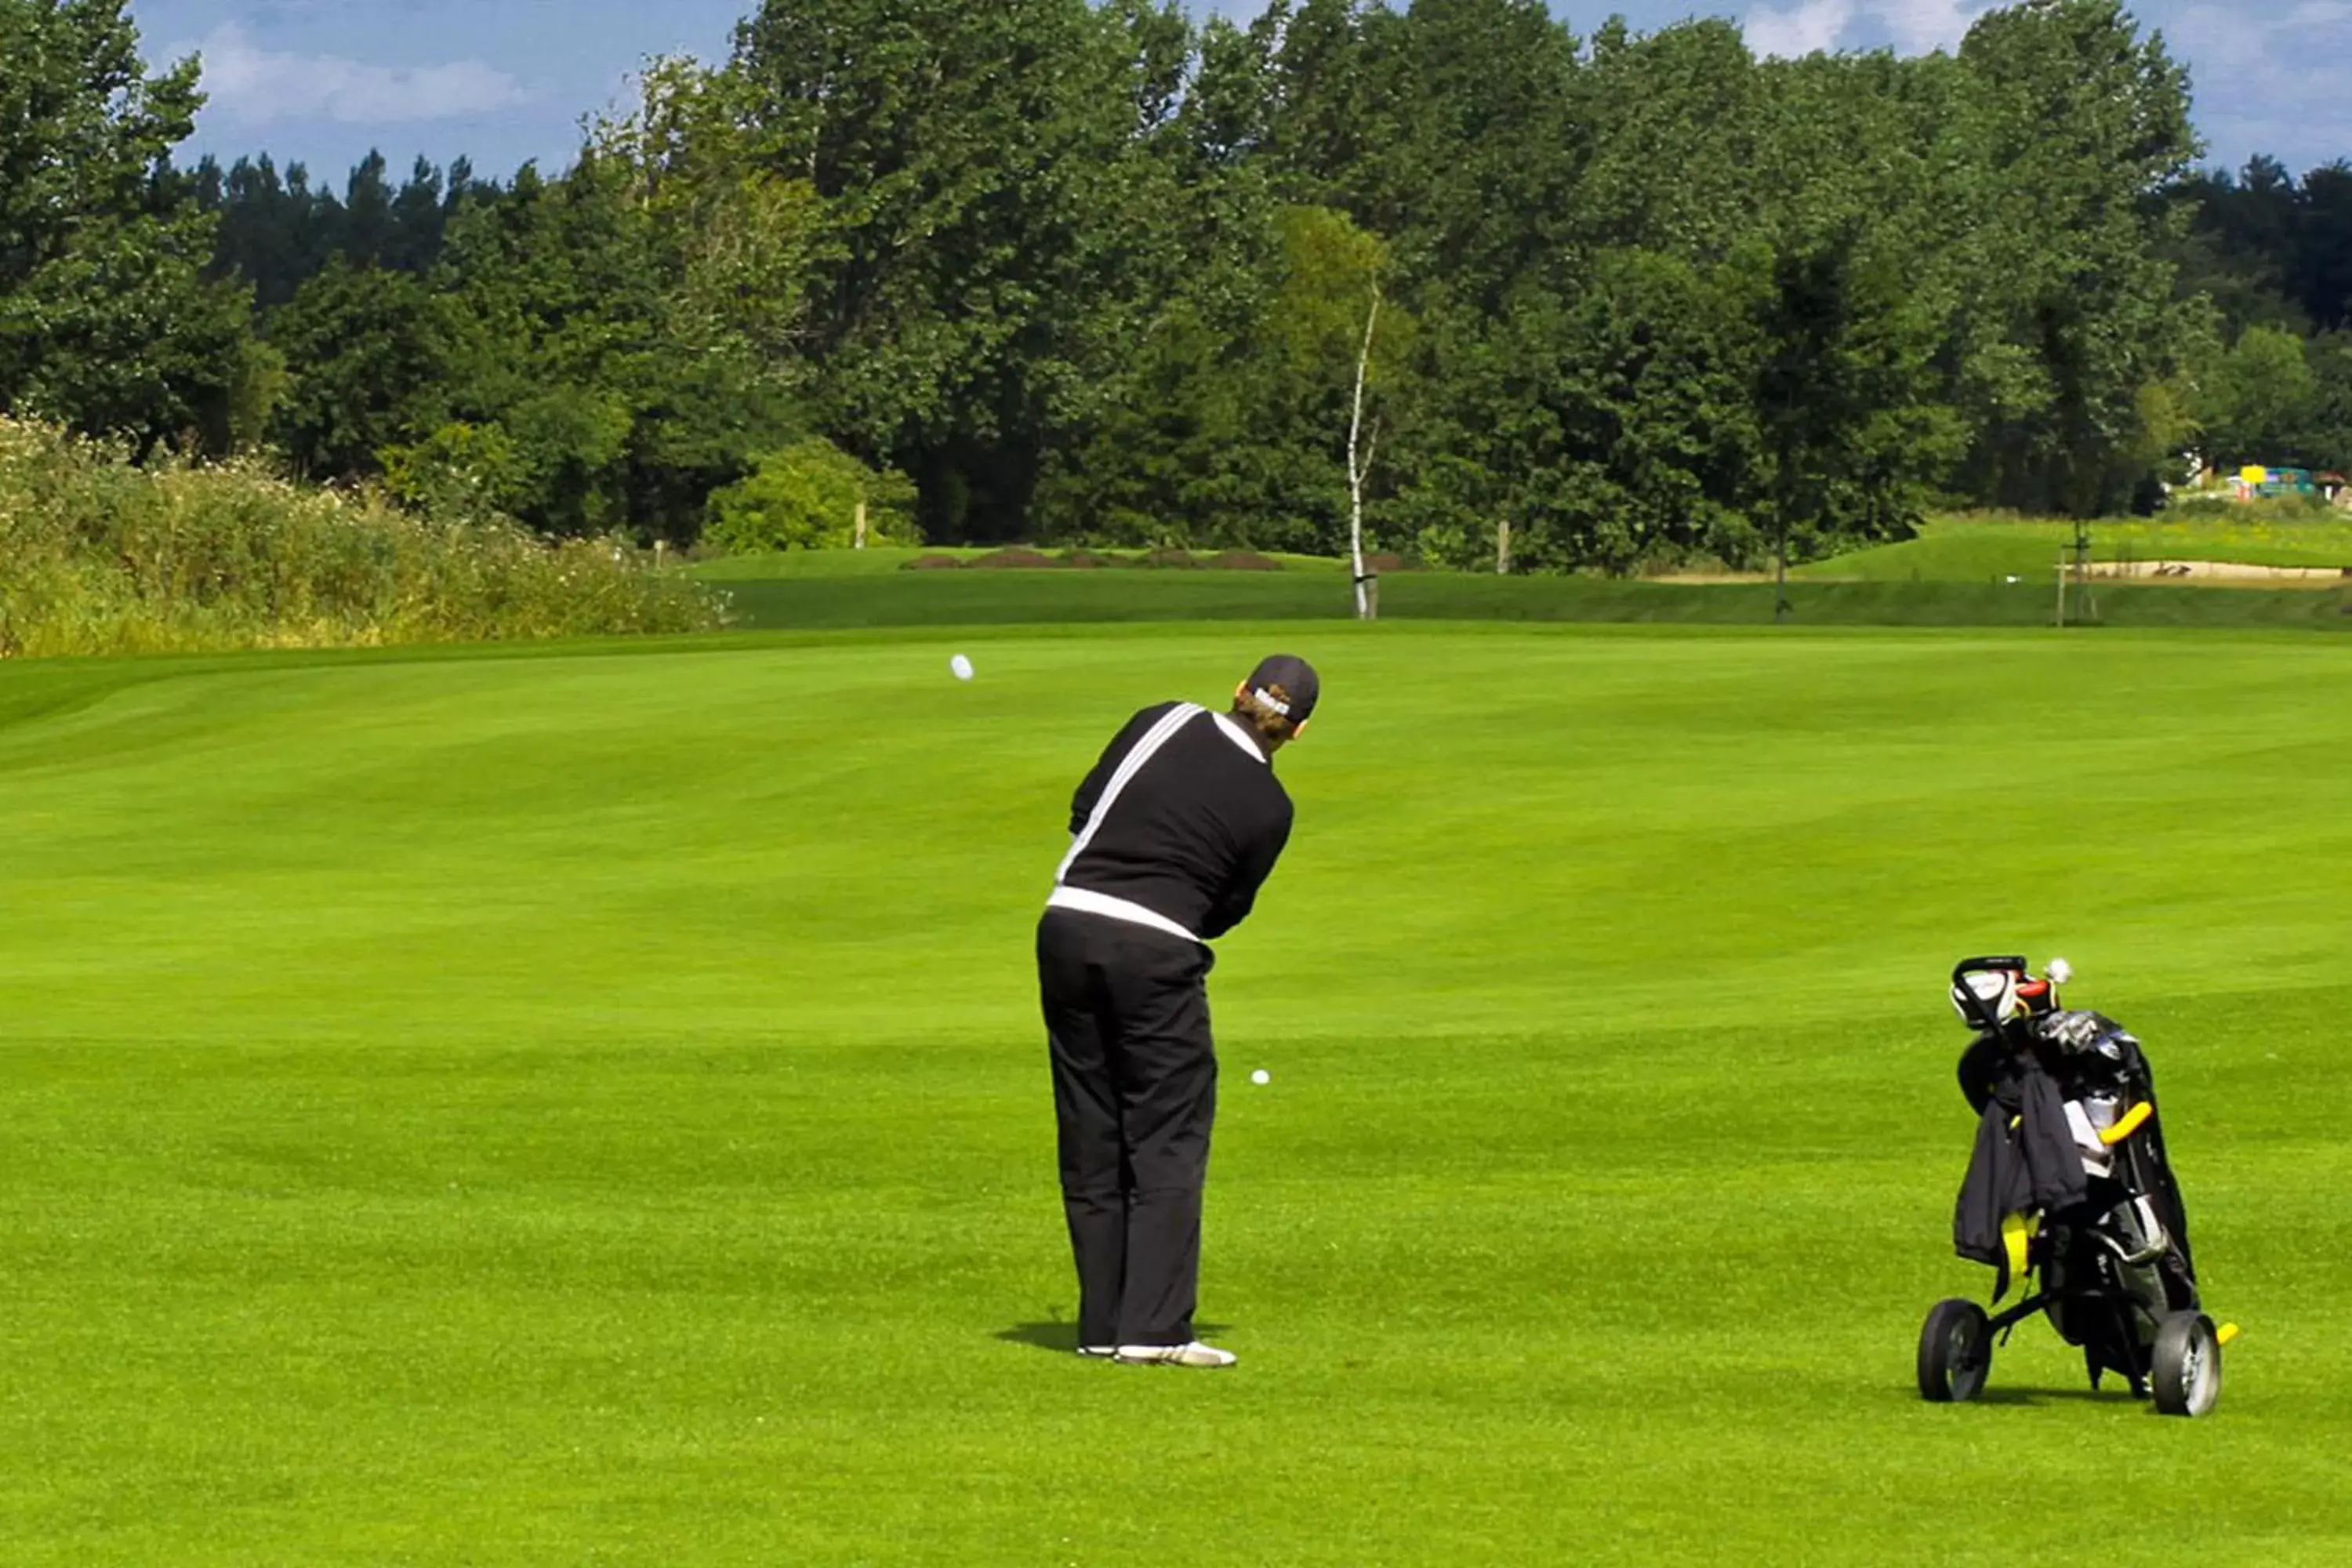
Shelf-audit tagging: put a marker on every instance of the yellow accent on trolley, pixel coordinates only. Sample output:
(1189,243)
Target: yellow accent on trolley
(2016,1234)
(2225,1333)
(2130,1122)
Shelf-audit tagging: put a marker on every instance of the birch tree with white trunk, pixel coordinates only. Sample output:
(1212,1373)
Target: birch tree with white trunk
(1360,453)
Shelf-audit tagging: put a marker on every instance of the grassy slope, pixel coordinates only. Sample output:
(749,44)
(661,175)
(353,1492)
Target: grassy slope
(1971,550)
(544,1109)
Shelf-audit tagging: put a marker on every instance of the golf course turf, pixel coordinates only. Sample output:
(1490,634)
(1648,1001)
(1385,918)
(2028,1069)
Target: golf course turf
(588,1106)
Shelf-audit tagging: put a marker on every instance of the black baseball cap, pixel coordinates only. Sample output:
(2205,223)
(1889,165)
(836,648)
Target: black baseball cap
(1300,686)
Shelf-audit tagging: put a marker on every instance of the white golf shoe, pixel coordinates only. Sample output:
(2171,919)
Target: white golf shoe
(1192,1354)
(1097,1352)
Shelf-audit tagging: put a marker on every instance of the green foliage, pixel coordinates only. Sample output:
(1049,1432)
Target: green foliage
(2073,305)
(106,320)
(990,176)
(107,557)
(2260,401)
(1092,273)
(807,497)
(460,470)
(277,231)
(370,355)
(1853,437)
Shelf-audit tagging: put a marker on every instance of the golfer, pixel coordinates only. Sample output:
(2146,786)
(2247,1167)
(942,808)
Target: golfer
(1174,831)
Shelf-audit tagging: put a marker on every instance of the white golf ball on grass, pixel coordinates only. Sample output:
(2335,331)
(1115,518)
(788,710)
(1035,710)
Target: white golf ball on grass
(1261,1076)
(962,666)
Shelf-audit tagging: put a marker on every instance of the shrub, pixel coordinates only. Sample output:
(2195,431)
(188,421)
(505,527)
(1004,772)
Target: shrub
(2225,508)
(461,470)
(805,497)
(100,556)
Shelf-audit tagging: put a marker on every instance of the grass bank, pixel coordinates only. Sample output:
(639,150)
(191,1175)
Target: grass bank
(1991,550)
(1957,573)
(101,556)
(888,598)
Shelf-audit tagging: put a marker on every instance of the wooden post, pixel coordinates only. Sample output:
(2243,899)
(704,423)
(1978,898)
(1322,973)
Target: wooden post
(1781,606)
(860,542)
(1502,547)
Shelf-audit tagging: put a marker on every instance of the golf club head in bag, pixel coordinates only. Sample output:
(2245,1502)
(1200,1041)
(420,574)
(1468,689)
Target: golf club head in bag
(1990,993)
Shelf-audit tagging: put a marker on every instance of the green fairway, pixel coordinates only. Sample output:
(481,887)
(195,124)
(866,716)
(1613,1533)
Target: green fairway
(588,1106)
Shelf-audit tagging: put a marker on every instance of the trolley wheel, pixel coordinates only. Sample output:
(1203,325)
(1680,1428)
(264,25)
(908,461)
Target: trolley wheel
(1954,1352)
(2185,1365)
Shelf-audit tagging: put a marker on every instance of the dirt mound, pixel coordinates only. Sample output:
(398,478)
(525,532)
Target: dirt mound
(934,563)
(1016,558)
(1243,561)
(1089,560)
(1171,557)
(1387,562)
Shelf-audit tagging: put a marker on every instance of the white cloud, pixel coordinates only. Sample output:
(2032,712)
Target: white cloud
(1920,25)
(1806,28)
(1916,27)
(2257,88)
(249,85)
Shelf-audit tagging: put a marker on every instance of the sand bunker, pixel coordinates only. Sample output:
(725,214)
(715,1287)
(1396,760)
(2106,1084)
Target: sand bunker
(2236,573)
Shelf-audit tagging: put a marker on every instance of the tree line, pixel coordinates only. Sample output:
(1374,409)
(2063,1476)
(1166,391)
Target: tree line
(1058,270)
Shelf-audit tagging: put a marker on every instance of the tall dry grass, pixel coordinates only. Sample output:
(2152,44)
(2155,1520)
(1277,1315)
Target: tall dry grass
(99,555)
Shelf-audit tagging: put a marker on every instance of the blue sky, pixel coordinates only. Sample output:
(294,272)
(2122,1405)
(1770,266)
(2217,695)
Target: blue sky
(506,80)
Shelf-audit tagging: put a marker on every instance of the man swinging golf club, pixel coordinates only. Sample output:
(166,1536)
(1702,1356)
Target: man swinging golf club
(1173,831)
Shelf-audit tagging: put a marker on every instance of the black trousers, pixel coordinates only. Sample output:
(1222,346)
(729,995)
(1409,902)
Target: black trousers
(1135,1095)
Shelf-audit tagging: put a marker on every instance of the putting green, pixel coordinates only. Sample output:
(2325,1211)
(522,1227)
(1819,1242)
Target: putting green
(589,1106)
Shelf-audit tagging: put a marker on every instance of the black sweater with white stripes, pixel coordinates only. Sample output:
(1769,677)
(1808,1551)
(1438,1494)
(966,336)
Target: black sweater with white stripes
(1183,815)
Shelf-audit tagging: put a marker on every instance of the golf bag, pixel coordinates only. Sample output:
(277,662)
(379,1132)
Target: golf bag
(2070,1187)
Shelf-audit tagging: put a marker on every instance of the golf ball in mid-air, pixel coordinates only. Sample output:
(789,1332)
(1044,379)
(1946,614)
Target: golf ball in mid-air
(962,666)
(1261,1076)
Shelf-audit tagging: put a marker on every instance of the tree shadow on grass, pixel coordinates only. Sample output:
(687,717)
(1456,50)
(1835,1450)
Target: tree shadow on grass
(1063,1338)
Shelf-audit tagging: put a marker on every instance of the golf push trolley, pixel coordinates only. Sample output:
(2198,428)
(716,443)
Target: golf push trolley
(2069,1192)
